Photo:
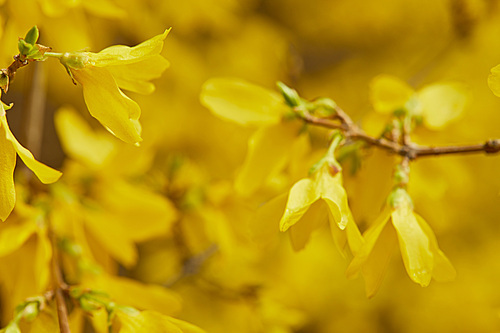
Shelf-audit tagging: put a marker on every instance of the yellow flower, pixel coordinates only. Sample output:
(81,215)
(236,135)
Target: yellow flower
(9,147)
(305,210)
(103,74)
(250,105)
(422,257)
(438,104)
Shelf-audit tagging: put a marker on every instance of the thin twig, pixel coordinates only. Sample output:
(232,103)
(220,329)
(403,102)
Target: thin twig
(59,288)
(407,149)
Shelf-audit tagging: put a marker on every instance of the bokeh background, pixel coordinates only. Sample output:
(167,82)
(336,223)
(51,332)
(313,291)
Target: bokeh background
(228,280)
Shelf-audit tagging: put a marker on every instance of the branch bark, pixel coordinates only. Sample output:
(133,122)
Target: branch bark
(406,148)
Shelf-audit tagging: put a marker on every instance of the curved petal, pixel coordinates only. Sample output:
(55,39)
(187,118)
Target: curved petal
(242,102)
(414,245)
(7,165)
(268,151)
(371,237)
(313,219)
(376,264)
(78,139)
(122,55)
(135,77)
(46,174)
(331,190)
(107,103)
(443,270)
(302,195)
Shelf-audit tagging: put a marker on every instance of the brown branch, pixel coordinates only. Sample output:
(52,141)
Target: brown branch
(407,149)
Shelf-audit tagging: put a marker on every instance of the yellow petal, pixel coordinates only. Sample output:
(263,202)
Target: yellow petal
(388,93)
(138,295)
(331,190)
(78,140)
(442,103)
(443,269)
(185,326)
(145,321)
(107,103)
(135,77)
(414,245)
(43,260)
(263,227)
(302,195)
(113,237)
(313,219)
(122,55)
(7,165)
(14,234)
(133,205)
(375,267)
(44,173)
(268,151)
(494,80)
(371,237)
(242,102)
(354,238)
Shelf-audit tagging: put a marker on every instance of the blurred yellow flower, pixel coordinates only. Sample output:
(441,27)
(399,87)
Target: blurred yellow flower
(250,105)
(438,104)
(9,147)
(422,257)
(103,74)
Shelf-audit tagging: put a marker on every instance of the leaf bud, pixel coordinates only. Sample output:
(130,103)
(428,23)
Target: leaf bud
(32,35)
(290,95)
(31,311)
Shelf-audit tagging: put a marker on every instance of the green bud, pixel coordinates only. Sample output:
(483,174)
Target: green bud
(75,60)
(290,95)
(4,82)
(32,36)
(24,48)
(31,311)
(401,175)
(399,197)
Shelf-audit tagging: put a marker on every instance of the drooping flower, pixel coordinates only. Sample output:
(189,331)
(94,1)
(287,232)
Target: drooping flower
(421,254)
(9,148)
(103,74)
(315,200)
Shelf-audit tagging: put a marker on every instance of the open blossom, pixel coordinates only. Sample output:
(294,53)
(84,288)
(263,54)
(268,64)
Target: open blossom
(103,74)
(422,257)
(9,148)
(314,200)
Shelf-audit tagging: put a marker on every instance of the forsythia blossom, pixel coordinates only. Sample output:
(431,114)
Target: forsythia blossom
(103,74)
(422,257)
(304,210)
(9,147)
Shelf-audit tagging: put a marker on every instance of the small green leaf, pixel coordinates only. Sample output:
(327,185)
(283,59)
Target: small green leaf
(24,48)
(32,36)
